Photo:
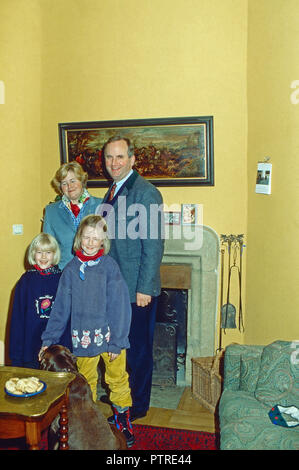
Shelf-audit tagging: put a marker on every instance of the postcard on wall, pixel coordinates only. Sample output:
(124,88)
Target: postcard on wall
(189,214)
(263,178)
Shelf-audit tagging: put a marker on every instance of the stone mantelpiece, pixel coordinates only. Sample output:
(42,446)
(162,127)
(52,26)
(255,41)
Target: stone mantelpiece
(174,278)
(203,294)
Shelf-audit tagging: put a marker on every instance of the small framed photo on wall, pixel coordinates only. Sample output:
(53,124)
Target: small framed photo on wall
(172,218)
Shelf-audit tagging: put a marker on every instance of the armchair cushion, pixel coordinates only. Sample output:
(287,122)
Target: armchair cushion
(249,373)
(258,434)
(232,363)
(235,406)
(277,376)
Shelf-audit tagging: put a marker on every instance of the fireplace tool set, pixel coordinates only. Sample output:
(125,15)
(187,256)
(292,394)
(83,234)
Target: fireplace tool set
(234,245)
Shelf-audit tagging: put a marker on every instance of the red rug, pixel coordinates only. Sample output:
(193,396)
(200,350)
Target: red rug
(156,438)
(147,438)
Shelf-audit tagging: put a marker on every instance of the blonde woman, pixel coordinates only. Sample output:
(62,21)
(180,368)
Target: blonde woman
(33,300)
(94,295)
(62,218)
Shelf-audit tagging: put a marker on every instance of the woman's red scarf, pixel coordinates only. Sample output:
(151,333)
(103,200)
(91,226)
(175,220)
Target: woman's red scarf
(75,209)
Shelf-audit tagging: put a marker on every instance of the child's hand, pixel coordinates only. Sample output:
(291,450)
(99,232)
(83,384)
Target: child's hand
(112,356)
(41,352)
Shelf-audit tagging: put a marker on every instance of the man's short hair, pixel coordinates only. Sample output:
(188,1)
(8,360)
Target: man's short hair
(116,138)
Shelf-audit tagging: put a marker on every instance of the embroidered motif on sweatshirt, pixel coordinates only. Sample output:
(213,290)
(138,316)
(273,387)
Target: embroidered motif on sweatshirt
(98,337)
(107,335)
(86,341)
(44,306)
(75,338)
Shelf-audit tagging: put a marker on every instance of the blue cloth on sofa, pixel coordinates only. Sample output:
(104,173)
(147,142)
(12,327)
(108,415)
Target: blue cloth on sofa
(287,417)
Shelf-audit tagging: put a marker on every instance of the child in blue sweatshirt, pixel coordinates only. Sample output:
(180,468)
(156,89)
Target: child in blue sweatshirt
(93,294)
(33,300)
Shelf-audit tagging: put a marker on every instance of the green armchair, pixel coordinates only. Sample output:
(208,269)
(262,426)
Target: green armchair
(256,378)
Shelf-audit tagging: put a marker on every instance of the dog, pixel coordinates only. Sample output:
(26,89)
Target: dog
(88,429)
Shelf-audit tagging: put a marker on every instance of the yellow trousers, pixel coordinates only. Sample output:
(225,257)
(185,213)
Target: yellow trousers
(116,377)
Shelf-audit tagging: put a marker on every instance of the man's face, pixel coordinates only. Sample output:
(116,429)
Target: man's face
(118,163)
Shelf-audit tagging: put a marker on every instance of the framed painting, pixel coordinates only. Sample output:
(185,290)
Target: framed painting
(168,151)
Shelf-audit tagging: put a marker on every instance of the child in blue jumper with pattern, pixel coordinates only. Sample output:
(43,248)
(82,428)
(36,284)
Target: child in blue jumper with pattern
(94,295)
(33,300)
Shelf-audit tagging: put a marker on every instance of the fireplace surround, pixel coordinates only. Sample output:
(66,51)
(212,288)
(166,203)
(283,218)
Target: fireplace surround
(201,258)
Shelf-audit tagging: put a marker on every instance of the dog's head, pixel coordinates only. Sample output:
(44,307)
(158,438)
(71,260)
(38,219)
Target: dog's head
(57,358)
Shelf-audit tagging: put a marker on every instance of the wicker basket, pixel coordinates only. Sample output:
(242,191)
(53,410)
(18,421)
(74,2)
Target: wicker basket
(206,380)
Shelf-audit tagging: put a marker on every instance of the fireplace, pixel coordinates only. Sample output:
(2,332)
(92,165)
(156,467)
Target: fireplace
(170,339)
(193,268)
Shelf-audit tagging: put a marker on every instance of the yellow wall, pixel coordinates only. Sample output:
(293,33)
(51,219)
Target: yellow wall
(272,301)
(84,60)
(103,59)
(151,58)
(20,133)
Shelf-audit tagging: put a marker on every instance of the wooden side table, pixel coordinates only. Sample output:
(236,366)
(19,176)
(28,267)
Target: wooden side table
(28,417)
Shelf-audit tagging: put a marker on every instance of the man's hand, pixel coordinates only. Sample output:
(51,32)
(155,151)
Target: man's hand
(142,300)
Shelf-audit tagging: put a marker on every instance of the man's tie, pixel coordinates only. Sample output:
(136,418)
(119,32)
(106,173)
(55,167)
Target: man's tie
(111,194)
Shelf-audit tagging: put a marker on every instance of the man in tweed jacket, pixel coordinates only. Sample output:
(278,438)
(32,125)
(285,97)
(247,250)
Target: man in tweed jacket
(133,212)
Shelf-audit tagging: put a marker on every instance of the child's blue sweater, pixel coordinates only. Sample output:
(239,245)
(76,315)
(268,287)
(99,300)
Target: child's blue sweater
(33,300)
(99,307)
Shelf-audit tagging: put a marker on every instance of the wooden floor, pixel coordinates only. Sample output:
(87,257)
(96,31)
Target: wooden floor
(190,414)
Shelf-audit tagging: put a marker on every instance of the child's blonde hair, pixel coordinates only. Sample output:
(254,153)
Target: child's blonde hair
(92,221)
(43,242)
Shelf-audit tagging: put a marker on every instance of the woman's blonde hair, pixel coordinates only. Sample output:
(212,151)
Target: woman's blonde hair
(95,221)
(43,242)
(62,172)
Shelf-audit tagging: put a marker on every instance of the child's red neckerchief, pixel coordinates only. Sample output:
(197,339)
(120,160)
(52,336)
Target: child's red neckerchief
(44,272)
(83,257)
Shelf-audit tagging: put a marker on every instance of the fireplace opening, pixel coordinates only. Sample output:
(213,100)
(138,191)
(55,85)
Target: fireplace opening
(170,338)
